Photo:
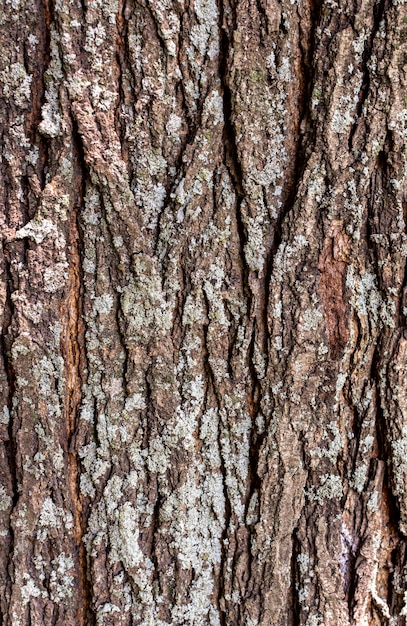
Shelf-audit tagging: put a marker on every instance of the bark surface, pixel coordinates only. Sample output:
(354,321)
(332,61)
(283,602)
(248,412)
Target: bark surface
(203,391)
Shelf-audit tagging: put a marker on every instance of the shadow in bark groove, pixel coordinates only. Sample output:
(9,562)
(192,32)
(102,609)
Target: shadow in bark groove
(233,167)
(379,12)
(294,616)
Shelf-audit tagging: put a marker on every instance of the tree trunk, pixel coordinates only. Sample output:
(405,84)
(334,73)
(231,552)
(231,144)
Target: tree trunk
(203,408)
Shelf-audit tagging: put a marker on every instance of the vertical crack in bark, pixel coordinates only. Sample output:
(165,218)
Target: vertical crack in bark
(233,166)
(38,88)
(10,444)
(294,616)
(306,135)
(384,354)
(403,289)
(379,11)
(5,344)
(124,74)
(75,365)
(389,503)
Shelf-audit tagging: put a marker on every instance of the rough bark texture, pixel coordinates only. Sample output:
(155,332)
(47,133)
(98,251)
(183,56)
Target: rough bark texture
(204,340)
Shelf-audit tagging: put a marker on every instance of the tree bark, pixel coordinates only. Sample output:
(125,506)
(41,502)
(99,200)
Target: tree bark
(203,412)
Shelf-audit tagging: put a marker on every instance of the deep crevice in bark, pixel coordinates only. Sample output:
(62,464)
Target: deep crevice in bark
(294,617)
(10,446)
(379,11)
(75,363)
(382,434)
(233,166)
(39,89)
(305,140)
(122,56)
(5,346)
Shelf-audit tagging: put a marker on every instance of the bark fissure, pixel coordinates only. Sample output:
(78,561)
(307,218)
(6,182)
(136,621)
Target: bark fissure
(6,343)
(379,11)
(76,366)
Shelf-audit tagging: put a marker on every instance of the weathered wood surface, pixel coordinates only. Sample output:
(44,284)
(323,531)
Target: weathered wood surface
(203,376)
